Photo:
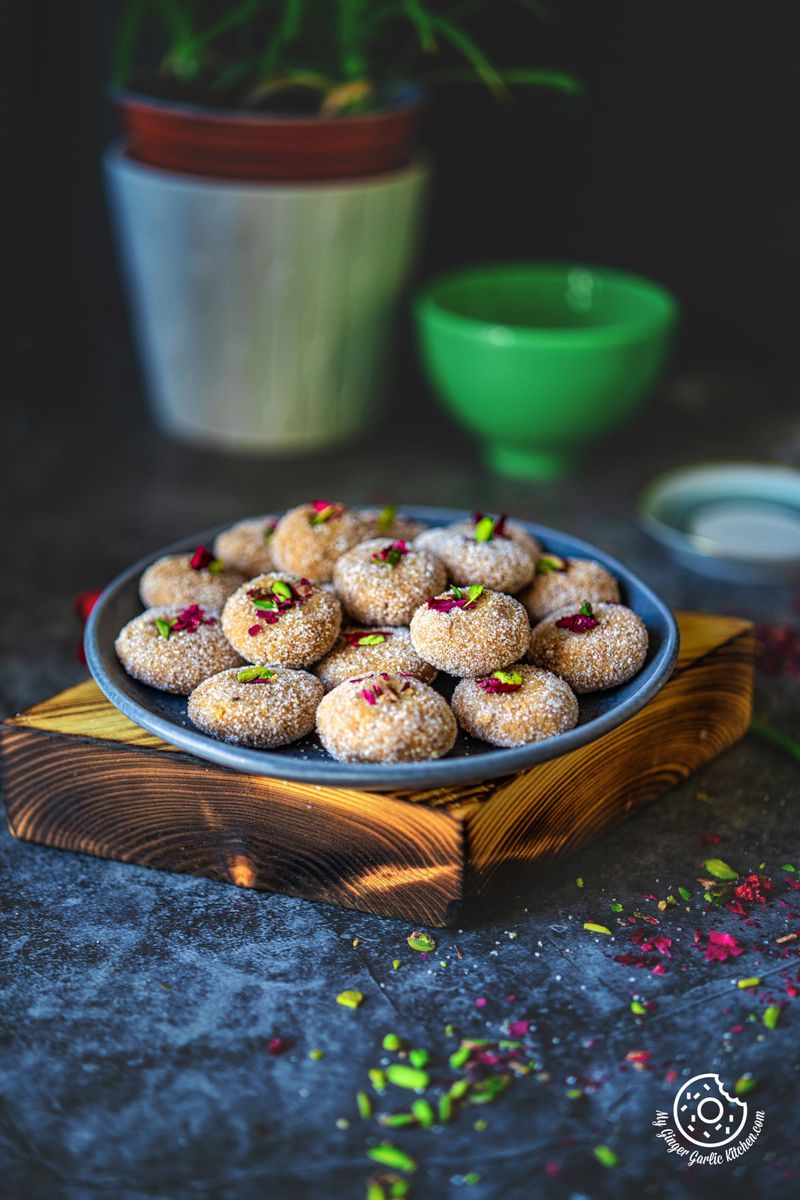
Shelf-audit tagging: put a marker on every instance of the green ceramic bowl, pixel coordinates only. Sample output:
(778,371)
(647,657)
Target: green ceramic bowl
(541,359)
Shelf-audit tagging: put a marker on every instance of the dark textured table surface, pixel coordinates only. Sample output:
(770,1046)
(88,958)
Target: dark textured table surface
(137,1007)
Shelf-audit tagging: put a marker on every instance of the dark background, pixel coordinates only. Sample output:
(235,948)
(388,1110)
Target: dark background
(678,163)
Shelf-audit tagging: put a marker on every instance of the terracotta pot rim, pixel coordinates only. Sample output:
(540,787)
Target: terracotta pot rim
(125,97)
(118,152)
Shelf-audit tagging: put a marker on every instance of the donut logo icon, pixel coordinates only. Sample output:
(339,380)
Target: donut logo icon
(706,1115)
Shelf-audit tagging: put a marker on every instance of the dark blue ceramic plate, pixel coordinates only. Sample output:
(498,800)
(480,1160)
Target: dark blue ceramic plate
(469,761)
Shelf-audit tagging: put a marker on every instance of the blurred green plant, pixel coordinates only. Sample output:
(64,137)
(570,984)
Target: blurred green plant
(329,55)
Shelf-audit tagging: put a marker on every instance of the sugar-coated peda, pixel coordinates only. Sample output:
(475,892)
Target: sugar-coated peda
(361,651)
(496,553)
(470,631)
(561,582)
(246,546)
(595,647)
(197,578)
(384,717)
(309,539)
(280,620)
(174,649)
(383,582)
(513,707)
(260,707)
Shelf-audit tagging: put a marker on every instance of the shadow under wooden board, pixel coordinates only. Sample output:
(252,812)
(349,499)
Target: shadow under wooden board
(81,776)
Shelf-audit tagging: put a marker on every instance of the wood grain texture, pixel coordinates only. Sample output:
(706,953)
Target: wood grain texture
(80,776)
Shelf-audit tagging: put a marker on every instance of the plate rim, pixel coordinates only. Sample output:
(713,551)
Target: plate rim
(382,777)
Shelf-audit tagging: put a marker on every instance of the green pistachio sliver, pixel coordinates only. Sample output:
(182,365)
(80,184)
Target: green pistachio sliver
(445,1109)
(484,530)
(586,610)
(512,677)
(418,1058)
(392,1156)
(377,1079)
(720,869)
(422,942)
(772,1016)
(248,674)
(282,589)
(393,1043)
(548,563)
(423,1113)
(475,591)
(386,518)
(364,1105)
(215,566)
(375,1190)
(164,627)
(606,1156)
(399,1187)
(459,1057)
(459,1089)
(399,1120)
(407,1077)
(266,605)
(372,639)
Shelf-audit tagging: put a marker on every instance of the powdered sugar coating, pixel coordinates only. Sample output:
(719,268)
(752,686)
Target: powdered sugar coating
(582,580)
(543,707)
(395,655)
(502,563)
(400,526)
(472,641)
(260,714)
(312,550)
(412,724)
(297,639)
(246,545)
(603,657)
(178,663)
(377,593)
(172,580)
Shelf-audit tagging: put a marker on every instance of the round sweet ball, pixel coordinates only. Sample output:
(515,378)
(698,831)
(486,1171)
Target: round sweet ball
(470,631)
(246,546)
(309,539)
(261,707)
(197,578)
(281,621)
(389,523)
(501,527)
(475,554)
(385,717)
(513,707)
(561,582)
(363,651)
(595,647)
(174,648)
(382,582)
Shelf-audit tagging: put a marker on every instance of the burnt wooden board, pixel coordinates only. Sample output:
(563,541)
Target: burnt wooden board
(80,776)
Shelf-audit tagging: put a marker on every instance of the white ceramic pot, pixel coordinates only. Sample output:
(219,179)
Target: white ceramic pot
(263,312)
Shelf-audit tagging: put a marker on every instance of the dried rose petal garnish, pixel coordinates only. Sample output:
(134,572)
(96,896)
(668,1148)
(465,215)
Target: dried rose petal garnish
(486,528)
(203,560)
(271,605)
(255,675)
(390,688)
(547,563)
(581,621)
(722,946)
(188,620)
(501,682)
(457,598)
(367,637)
(754,889)
(391,554)
(324,510)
